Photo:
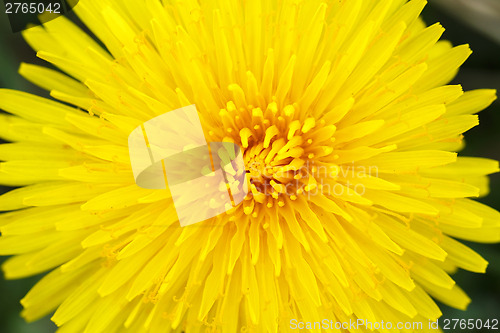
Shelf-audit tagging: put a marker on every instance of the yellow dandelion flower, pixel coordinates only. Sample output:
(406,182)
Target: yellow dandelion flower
(349,134)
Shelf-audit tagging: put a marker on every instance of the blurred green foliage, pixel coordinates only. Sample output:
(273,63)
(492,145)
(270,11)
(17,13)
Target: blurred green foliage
(482,70)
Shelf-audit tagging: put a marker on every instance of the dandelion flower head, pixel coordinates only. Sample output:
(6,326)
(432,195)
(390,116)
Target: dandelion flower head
(348,129)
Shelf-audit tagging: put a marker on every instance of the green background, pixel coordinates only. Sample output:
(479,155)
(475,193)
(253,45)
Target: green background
(482,70)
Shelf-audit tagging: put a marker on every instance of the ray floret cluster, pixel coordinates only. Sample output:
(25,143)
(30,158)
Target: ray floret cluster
(349,133)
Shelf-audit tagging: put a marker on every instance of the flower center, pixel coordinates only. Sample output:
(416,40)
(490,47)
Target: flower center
(281,149)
